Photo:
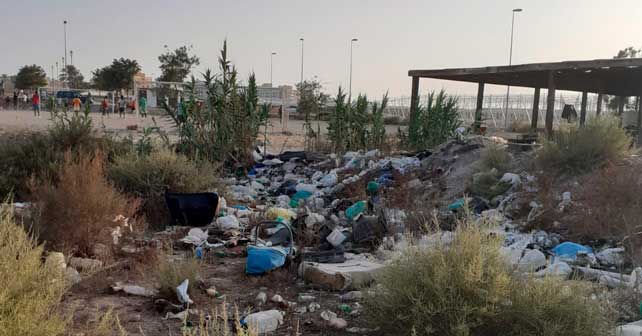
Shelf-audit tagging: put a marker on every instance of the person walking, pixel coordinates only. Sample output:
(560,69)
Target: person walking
(121,107)
(23,100)
(142,106)
(76,102)
(104,106)
(35,101)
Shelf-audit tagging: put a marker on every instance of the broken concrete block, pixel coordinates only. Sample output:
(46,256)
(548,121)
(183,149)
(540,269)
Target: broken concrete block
(531,261)
(351,274)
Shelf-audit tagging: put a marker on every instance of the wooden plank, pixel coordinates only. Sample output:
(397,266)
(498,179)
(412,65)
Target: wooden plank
(414,97)
(535,115)
(550,104)
(598,110)
(583,108)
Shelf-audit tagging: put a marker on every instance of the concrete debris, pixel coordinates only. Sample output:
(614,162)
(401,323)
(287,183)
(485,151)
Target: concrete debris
(134,290)
(264,322)
(352,274)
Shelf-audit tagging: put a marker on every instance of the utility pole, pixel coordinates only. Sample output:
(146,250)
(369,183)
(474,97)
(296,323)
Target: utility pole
(65,30)
(510,62)
(71,57)
(301,39)
(271,61)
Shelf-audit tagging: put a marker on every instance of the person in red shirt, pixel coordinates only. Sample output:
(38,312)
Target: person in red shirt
(35,100)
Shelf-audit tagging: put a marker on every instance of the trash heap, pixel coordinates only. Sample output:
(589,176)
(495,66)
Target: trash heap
(327,214)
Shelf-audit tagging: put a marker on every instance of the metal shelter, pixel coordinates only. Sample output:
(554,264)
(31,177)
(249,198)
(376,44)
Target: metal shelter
(617,77)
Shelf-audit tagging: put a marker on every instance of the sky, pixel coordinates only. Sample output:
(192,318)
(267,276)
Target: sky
(393,36)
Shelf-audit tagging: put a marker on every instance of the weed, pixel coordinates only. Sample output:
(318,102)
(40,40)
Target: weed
(31,291)
(170,273)
(71,130)
(78,211)
(494,157)
(466,288)
(580,149)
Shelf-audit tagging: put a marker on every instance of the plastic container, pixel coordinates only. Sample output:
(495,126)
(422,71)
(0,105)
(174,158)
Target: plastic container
(356,209)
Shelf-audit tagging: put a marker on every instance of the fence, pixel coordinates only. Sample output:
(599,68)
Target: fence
(520,107)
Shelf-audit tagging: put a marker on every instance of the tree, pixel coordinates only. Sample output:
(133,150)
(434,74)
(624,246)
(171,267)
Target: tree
(72,76)
(118,75)
(31,76)
(311,101)
(176,65)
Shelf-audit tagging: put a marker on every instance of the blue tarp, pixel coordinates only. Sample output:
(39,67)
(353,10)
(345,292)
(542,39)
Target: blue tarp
(262,259)
(569,250)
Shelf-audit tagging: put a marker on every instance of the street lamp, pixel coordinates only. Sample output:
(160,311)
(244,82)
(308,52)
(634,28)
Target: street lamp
(71,57)
(350,88)
(65,30)
(301,39)
(510,62)
(271,61)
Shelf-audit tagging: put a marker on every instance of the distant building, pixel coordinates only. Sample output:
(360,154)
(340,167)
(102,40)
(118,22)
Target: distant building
(282,95)
(7,85)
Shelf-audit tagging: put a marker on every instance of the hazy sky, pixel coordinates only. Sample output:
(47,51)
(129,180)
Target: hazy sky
(394,35)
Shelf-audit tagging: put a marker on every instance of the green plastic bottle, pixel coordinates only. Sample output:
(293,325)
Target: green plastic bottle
(356,209)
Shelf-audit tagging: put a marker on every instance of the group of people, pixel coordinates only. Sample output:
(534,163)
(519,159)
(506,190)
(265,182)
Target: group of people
(19,101)
(123,104)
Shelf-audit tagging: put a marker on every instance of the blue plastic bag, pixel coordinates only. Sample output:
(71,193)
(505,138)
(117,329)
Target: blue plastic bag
(262,259)
(568,250)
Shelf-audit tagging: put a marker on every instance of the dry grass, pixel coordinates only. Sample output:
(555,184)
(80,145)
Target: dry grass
(494,157)
(466,288)
(79,210)
(170,272)
(31,291)
(576,150)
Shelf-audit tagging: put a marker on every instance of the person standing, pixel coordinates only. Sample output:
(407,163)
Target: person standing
(76,102)
(35,101)
(23,100)
(15,100)
(142,106)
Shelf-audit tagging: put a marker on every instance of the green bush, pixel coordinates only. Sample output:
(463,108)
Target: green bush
(149,176)
(581,149)
(23,155)
(31,291)
(466,288)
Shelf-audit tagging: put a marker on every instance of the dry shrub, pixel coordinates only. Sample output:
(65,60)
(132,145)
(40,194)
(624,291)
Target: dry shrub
(580,149)
(608,205)
(31,291)
(170,272)
(79,211)
(217,324)
(466,288)
(149,176)
(107,324)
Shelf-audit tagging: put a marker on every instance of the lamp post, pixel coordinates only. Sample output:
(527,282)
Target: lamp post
(510,62)
(271,68)
(301,39)
(71,57)
(350,87)
(65,31)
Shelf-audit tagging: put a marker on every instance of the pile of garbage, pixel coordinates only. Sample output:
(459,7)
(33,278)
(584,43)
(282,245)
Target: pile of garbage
(326,214)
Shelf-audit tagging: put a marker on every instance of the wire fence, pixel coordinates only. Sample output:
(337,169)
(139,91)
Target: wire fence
(520,108)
